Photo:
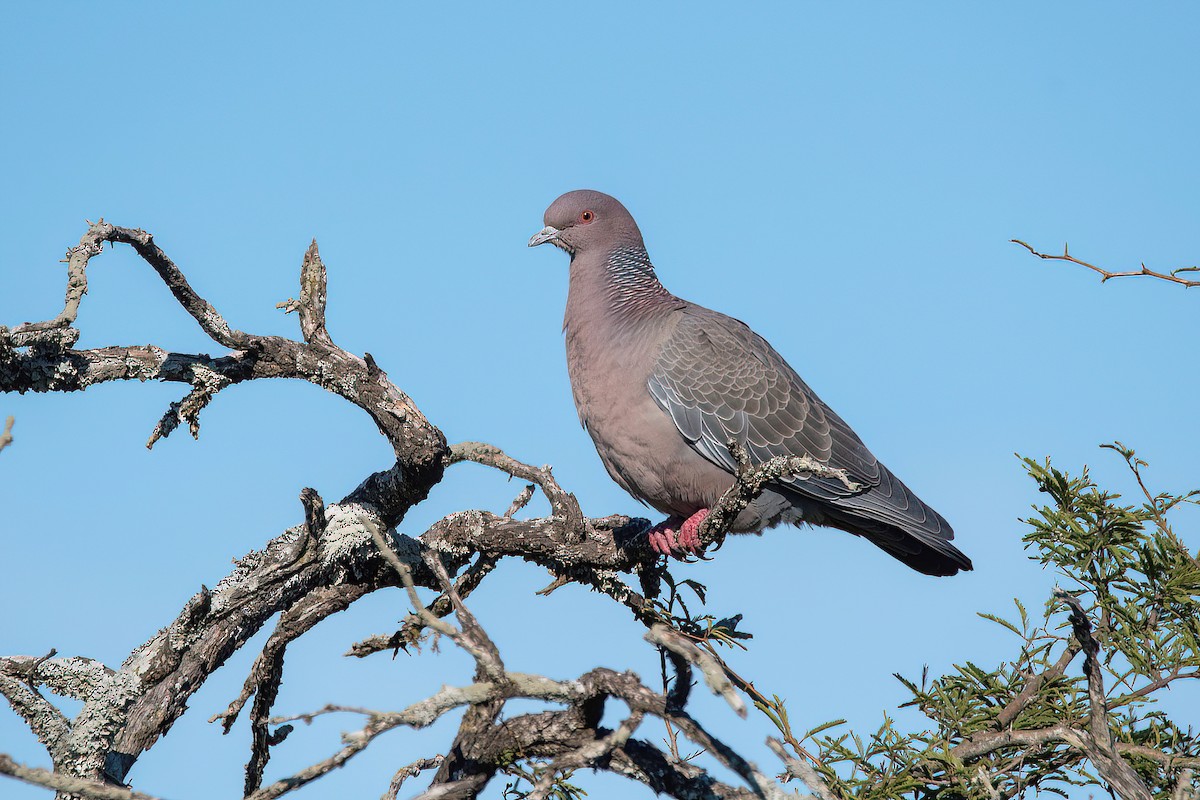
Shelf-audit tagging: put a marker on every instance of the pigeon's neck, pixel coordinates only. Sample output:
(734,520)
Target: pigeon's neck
(616,312)
(620,286)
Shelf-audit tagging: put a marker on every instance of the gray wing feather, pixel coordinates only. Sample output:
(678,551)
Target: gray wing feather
(718,380)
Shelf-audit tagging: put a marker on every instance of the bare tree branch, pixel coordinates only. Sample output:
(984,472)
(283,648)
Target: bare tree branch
(710,667)
(410,771)
(66,783)
(73,677)
(1144,272)
(801,770)
(48,724)
(412,630)
(1034,685)
(293,623)
(134,705)
(420,447)
(91,243)
(311,304)
(585,755)
(563,503)
(1101,745)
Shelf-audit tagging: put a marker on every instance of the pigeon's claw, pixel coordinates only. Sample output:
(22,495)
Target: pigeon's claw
(662,542)
(662,537)
(677,537)
(689,534)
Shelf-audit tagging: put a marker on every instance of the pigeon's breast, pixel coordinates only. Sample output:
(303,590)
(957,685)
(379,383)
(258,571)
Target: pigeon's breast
(637,441)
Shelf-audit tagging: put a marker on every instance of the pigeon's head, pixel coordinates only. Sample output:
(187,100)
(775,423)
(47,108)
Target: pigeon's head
(585,220)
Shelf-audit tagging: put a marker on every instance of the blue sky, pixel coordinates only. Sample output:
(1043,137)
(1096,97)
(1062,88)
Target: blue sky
(843,178)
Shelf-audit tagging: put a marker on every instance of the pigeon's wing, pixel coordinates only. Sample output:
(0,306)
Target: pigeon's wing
(720,381)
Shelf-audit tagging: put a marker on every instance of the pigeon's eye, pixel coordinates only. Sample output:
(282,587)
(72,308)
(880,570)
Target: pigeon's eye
(586,217)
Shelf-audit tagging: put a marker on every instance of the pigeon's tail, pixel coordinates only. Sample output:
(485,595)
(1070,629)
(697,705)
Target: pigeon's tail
(930,555)
(895,520)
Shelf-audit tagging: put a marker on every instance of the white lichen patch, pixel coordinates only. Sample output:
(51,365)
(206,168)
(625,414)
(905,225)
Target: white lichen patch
(347,532)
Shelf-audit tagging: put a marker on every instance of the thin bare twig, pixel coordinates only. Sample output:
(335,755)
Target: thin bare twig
(585,756)
(410,771)
(36,664)
(710,667)
(418,715)
(405,573)
(802,771)
(1105,275)
(413,628)
(471,637)
(426,712)
(1034,685)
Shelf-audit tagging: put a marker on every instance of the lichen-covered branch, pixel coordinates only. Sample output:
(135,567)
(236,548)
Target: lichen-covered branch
(308,572)
(585,755)
(311,304)
(562,503)
(48,724)
(752,480)
(131,707)
(67,784)
(73,677)
(410,771)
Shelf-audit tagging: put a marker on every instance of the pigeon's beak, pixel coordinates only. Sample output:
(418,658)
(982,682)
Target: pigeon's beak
(546,234)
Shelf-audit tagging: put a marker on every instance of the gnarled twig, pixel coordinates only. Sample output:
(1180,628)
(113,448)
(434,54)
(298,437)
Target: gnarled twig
(1105,275)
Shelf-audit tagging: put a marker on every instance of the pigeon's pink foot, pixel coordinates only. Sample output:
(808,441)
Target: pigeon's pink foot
(662,536)
(677,537)
(689,534)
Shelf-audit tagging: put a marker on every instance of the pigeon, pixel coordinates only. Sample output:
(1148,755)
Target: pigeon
(663,386)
